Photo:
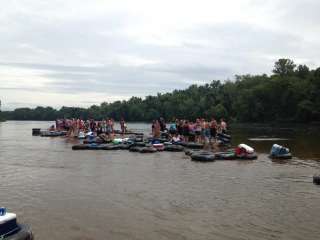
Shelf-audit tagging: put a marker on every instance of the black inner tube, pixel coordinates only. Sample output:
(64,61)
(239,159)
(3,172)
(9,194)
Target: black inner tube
(202,157)
(23,232)
(316,179)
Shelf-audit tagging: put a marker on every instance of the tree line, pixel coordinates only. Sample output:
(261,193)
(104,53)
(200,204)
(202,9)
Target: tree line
(290,94)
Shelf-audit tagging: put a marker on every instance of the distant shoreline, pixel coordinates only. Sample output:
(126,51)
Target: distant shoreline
(291,95)
(246,125)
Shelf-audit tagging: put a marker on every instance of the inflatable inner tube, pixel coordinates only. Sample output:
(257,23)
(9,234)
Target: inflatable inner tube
(139,144)
(80,147)
(94,146)
(316,179)
(124,146)
(225,156)
(189,152)
(202,157)
(203,152)
(135,149)
(97,141)
(174,148)
(23,233)
(36,131)
(148,150)
(110,147)
(251,156)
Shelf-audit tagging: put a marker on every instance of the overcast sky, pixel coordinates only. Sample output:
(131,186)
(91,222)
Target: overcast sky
(79,52)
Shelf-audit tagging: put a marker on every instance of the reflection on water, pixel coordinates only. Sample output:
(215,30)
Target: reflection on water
(265,138)
(67,194)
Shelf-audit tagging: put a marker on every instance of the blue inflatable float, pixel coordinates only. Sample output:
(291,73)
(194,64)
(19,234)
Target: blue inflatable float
(280,152)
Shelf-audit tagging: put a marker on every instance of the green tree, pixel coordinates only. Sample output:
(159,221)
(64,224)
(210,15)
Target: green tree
(305,111)
(302,71)
(291,94)
(284,67)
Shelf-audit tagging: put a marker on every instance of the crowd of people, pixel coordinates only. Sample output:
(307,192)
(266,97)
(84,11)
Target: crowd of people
(75,126)
(200,131)
(180,130)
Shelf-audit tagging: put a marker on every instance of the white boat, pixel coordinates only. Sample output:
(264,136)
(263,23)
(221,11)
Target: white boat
(11,230)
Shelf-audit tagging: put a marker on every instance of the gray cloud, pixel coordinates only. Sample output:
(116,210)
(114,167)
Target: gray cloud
(74,49)
(125,80)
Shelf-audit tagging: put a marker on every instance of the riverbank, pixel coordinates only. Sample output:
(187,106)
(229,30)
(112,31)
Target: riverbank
(251,98)
(247,125)
(2,119)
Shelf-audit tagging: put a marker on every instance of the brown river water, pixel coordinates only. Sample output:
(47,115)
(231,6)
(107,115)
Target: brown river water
(65,194)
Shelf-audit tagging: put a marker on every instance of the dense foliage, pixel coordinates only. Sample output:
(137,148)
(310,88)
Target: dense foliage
(291,94)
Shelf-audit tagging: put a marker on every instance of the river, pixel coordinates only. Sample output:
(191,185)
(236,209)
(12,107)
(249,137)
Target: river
(65,194)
